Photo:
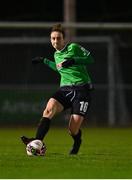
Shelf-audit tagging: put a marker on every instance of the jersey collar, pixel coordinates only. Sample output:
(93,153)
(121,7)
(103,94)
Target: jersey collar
(63,48)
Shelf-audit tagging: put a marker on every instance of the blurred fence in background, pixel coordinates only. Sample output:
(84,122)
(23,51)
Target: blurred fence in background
(25,88)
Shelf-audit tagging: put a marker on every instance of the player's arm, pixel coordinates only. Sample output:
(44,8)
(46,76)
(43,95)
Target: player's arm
(45,61)
(77,55)
(50,64)
(70,61)
(83,57)
(84,60)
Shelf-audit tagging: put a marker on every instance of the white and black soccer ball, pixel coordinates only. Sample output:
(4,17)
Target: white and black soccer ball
(36,148)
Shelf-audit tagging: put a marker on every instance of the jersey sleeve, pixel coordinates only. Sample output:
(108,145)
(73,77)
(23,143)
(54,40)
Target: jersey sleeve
(50,64)
(80,54)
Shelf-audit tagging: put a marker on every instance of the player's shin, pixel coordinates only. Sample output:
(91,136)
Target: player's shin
(43,128)
(77,136)
(77,142)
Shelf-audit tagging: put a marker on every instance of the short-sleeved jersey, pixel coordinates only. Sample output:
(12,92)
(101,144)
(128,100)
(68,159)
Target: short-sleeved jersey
(77,73)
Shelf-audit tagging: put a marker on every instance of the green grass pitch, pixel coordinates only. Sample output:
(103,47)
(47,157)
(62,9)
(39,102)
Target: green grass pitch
(105,153)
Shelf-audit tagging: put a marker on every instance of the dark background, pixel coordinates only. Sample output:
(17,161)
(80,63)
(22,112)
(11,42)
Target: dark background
(86,11)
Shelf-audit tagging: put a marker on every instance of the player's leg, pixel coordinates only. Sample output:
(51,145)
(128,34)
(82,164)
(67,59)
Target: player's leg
(75,131)
(80,106)
(53,107)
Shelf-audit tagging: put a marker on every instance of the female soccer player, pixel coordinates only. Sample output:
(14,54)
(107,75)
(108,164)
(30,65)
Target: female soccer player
(70,62)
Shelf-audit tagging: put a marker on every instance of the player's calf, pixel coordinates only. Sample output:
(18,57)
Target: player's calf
(77,143)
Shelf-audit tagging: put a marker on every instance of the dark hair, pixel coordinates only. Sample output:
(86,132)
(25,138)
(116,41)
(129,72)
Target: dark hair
(58,28)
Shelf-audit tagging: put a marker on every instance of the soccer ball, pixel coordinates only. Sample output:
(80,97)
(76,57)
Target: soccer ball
(36,148)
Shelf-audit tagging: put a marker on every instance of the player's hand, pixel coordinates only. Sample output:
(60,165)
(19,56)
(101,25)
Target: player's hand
(68,62)
(37,60)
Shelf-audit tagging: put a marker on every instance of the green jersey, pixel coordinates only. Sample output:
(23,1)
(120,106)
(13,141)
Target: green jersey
(77,73)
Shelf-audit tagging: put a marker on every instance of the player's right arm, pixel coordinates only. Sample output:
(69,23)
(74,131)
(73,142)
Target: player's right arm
(45,61)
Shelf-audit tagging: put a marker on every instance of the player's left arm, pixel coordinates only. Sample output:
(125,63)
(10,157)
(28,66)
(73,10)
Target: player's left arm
(84,60)
(78,56)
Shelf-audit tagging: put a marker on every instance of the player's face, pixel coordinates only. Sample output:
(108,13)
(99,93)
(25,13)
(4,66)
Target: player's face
(57,40)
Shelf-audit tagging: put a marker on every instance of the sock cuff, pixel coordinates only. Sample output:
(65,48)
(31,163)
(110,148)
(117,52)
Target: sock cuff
(45,119)
(78,135)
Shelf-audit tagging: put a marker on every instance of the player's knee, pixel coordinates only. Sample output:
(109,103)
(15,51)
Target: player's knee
(48,112)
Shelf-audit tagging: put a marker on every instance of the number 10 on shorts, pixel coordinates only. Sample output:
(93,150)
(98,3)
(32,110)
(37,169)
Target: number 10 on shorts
(83,106)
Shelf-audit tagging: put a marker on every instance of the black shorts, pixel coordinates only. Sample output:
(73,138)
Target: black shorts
(78,98)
